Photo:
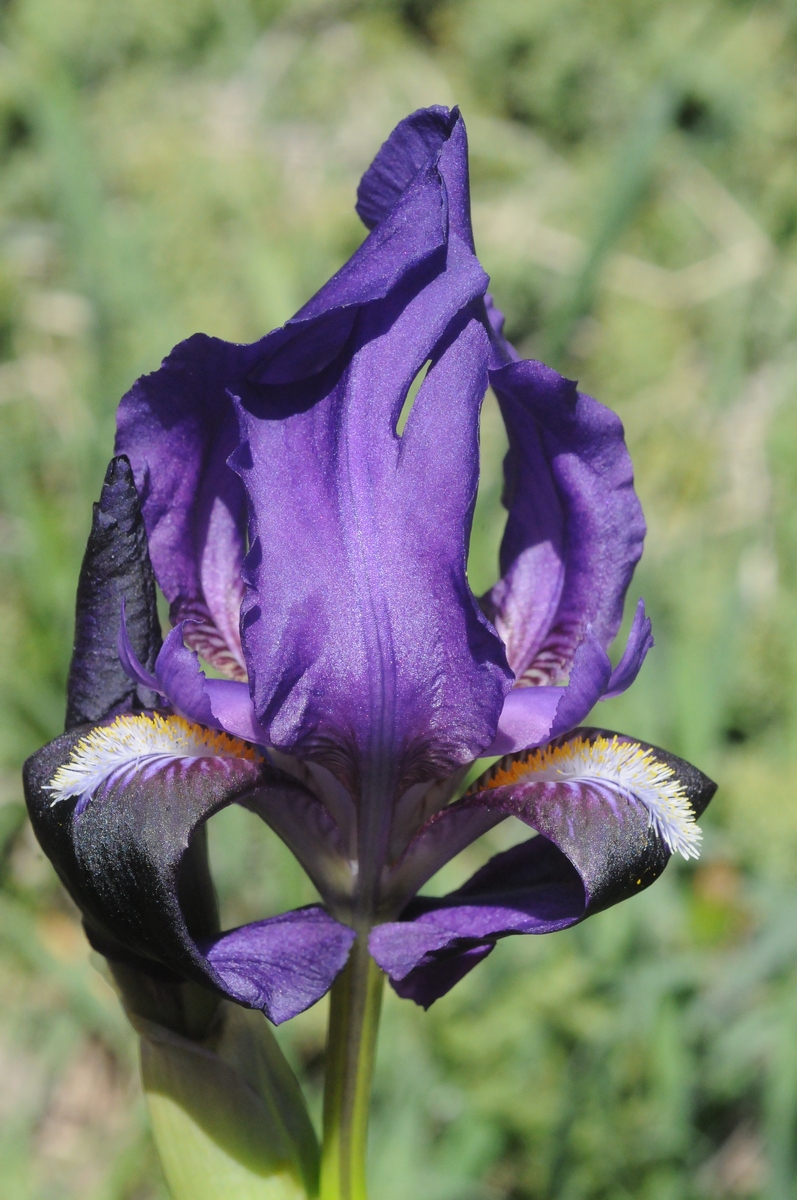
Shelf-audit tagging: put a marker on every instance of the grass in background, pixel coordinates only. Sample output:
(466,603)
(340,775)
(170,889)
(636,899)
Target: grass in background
(167,168)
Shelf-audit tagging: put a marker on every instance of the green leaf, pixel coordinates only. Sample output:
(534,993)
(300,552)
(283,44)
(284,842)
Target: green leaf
(227,1114)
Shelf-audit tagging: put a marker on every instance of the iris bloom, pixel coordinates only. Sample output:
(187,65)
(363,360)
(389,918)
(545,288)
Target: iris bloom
(316,558)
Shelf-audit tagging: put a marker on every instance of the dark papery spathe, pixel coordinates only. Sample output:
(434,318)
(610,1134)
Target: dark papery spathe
(116,566)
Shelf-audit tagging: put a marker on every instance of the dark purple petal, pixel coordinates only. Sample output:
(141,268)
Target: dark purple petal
(575,526)
(134,860)
(218,703)
(533,715)
(116,570)
(131,665)
(606,832)
(640,640)
(414,143)
(409,247)
(362,639)
(433,978)
(531,888)
(431,949)
(178,427)
(284,964)
(503,352)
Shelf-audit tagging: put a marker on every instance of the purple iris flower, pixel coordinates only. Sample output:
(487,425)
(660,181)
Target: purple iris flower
(316,559)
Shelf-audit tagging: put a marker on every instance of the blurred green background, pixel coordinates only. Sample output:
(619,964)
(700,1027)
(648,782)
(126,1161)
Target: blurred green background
(168,166)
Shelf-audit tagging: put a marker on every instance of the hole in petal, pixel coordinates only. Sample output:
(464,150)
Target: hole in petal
(415,387)
(490,516)
(510,832)
(255,873)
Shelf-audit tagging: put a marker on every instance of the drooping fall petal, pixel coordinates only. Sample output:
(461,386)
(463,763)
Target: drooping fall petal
(120,808)
(609,810)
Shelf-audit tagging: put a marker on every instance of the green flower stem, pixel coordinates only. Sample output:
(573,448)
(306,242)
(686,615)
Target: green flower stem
(356,1000)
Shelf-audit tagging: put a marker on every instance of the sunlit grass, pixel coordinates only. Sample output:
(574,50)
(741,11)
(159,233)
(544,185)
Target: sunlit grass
(169,168)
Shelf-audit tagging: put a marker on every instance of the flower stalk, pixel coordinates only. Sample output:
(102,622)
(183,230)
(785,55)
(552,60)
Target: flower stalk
(355,1005)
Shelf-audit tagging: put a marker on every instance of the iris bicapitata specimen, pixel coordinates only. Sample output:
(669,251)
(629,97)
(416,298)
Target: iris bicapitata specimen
(317,559)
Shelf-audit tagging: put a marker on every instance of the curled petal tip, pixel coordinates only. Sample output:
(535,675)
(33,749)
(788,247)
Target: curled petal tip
(129,659)
(640,641)
(415,141)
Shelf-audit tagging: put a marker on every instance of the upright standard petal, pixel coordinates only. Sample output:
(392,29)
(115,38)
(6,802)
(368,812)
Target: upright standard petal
(609,810)
(575,526)
(178,427)
(120,809)
(364,644)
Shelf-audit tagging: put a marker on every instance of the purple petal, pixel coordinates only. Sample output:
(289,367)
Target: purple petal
(411,240)
(182,680)
(503,352)
(526,719)
(362,638)
(599,844)
(129,659)
(233,710)
(531,888)
(178,427)
(214,631)
(533,715)
(284,964)
(135,862)
(589,678)
(414,143)
(575,526)
(640,640)
(433,978)
(218,703)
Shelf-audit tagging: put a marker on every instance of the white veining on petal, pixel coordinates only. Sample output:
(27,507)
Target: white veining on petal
(620,765)
(112,753)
